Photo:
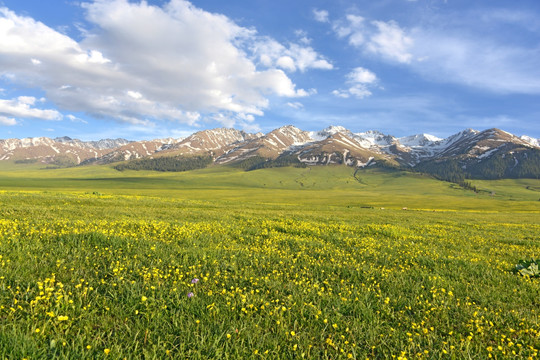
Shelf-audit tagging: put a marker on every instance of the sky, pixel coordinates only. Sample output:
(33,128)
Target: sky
(95,69)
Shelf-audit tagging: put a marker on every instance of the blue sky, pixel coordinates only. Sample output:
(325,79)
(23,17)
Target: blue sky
(155,69)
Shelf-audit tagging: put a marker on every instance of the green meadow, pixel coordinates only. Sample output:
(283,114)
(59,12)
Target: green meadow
(283,263)
(324,186)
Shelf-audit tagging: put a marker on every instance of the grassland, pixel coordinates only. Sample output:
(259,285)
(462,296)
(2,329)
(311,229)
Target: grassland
(275,263)
(324,186)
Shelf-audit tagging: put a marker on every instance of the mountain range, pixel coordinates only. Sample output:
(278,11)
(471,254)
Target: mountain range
(490,154)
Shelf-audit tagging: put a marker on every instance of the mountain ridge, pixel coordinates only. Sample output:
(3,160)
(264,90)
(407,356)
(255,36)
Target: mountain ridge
(468,150)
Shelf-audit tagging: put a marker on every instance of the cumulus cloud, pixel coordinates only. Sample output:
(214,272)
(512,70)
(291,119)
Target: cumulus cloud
(23,107)
(139,63)
(293,57)
(360,80)
(360,75)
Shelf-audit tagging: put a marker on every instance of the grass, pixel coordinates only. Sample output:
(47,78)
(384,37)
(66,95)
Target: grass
(289,263)
(315,186)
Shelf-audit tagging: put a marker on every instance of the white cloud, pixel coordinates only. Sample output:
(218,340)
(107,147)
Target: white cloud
(286,63)
(246,117)
(134,94)
(251,128)
(359,80)
(271,53)
(128,67)
(360,91)
(307,58)
(224,120)
(302,37)
(22,107)
(352,27)
(303,93)
(7,121)
(381,38)
(391,42)
(26,100)
(93,57)
(320,15)
(295,105)
(362,76)
(341,93)
(73,118)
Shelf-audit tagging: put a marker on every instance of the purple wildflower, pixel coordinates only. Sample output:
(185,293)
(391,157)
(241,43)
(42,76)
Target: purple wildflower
(190,295)
(194,281)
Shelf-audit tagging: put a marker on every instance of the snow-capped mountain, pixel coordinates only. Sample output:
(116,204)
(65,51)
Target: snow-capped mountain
(339,148)
(472,143)
(215,142)
(100,144)
(268,146)
(469,149)
(488,154)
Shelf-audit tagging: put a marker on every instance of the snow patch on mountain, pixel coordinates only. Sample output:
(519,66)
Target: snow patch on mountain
(374,138)
(329,131)
(418,140)
(487,154)
(530,140)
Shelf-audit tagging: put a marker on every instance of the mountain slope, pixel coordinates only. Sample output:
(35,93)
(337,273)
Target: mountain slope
(489,154)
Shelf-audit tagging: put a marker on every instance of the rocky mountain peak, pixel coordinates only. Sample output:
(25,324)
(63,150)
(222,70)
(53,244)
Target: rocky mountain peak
(332,145)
